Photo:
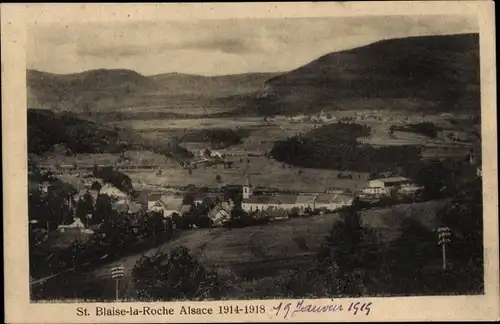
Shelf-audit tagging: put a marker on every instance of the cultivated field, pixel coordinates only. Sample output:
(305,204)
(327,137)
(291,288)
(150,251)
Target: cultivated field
(260,139)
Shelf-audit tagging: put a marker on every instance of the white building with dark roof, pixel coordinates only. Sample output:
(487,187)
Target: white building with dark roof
(384,186)
(285,201)
(332,201)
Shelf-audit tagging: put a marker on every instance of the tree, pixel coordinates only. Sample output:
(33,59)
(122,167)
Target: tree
(175,276)
(434,177)
(96,186)
(84,206)
(341,258)
(103,209)
(118,233)
(218,178)
(116,178)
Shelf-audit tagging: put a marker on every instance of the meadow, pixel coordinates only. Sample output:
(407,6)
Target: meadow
(259,138)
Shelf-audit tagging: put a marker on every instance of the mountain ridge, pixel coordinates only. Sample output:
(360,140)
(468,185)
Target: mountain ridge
(439,73)
(104,90)
(429,73)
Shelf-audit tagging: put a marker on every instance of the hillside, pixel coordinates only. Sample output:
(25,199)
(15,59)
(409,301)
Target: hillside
(212,86)
(46,129)
(335,147)
(104,91)
(82,92)
(436,73)
(64,132)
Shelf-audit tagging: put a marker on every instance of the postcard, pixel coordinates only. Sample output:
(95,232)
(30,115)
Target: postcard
(250,162)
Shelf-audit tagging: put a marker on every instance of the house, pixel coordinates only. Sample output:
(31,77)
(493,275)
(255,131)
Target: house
(221,212)
(127,206)
(111,191)
(206,197)
(272,198)
(409,189)
(384,186)
(297,118)
(167,204)
(332,201)
(76,226)
(283,201)
(304,202)
(185,208)
(172,206)
(151,200)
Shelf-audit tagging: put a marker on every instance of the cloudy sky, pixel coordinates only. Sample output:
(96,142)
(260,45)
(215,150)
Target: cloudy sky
(218,47)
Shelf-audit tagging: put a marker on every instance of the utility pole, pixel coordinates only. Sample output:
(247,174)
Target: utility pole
(444,237)
(116,274)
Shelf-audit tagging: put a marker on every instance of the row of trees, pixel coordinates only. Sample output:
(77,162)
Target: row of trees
(425,128)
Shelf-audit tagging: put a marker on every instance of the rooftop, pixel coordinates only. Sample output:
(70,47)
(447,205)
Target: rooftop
(393,179)
(275,200)
(305,199)
(247,181)
(126,206)
(328,198)
(174,204)
(145,196)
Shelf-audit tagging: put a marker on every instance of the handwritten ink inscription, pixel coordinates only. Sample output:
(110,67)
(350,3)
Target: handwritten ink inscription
(288,310)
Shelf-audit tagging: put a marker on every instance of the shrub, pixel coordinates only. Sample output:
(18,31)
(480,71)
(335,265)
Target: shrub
(176,276)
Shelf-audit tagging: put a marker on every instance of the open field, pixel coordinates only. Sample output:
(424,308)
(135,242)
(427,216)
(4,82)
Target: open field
(254,256)
(262,172)
(259,139)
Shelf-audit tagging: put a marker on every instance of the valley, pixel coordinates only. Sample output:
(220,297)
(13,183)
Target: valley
(328,128)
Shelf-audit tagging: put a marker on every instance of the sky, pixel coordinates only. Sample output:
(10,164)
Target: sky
(219,47)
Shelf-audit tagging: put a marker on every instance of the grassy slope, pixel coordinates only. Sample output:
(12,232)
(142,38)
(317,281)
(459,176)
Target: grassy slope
(252,256)
(212,86)
(439,73)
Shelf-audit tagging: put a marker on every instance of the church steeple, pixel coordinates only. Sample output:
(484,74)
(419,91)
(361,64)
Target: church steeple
(247,188)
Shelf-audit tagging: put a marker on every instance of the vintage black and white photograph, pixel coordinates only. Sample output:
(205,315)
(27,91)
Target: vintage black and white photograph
(254,158)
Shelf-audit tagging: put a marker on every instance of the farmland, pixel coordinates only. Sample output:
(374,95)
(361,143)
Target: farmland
(260,137)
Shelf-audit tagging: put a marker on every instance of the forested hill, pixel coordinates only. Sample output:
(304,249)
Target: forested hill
(46,129)
(335,147)
(433,73)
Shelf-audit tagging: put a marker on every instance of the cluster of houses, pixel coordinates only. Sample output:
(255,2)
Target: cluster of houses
(378,188)
(204,157)
(258,202)
(322,117)
(299,202)
(86,169)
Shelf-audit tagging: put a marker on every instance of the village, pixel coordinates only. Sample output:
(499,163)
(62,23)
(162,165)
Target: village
(235,188)
(220,203)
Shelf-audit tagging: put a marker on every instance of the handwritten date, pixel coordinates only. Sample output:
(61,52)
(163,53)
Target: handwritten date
(288,310)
